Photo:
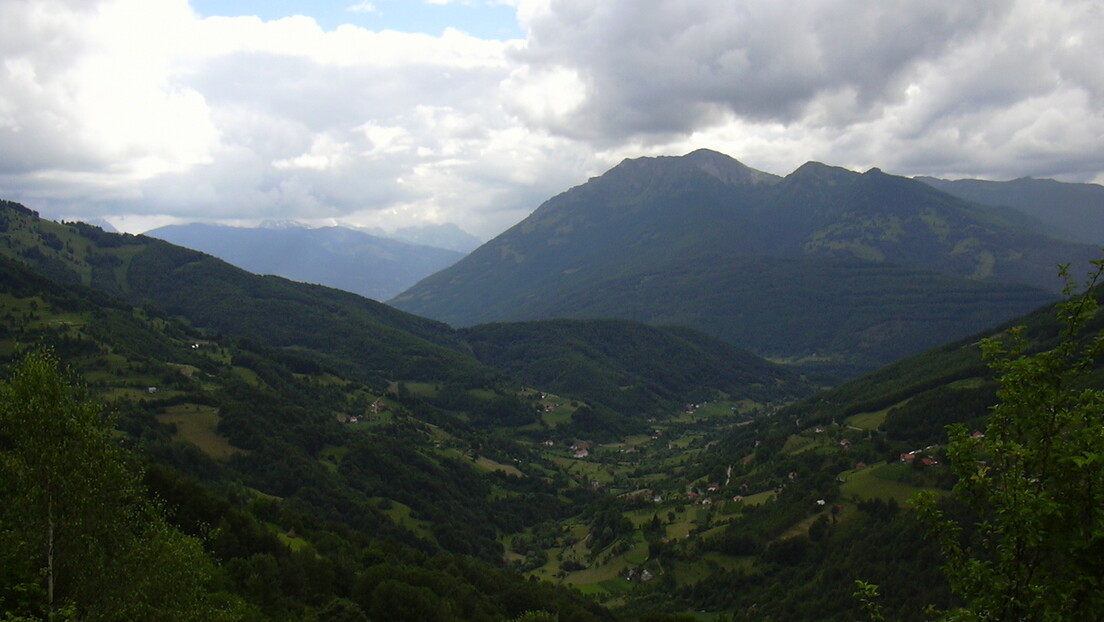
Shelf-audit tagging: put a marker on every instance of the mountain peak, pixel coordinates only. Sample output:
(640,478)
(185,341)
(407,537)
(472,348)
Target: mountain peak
(282,224)
(821,174)
(725,168)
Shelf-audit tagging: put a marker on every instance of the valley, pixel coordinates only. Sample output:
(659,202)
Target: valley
(374,461)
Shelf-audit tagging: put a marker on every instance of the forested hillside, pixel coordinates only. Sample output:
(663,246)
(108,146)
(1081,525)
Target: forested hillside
(823,266)
(286,442)
(588,469)
(1071,211)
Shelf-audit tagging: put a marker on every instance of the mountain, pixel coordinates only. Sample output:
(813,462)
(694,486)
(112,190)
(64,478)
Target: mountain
(359,337)
(372,266)
(462,476)
(367,339)
(824,264)
(1072,211)
(444,235)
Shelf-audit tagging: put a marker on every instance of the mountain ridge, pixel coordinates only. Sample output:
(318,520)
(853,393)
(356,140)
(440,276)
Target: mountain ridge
(1073,211)
(692,238)
(348,259)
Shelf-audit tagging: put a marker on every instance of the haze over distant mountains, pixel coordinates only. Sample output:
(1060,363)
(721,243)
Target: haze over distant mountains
(825,263)
(1071,211)
(374,266)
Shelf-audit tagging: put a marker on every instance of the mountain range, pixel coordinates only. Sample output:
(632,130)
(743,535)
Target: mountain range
(824,264)
(370,265)
(342,458)
(1070,211)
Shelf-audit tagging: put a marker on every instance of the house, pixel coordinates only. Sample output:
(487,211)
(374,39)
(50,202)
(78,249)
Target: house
(737,498)
(548,443)
(713,487)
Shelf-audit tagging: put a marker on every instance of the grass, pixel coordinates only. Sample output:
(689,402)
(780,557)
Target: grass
(877,482)
(331,457)
(198,425)
(559,415)
(295,544)
(400,514)
(589,579)
(868,421)
(249,376)
(486,464)
(797,443)
(688,573)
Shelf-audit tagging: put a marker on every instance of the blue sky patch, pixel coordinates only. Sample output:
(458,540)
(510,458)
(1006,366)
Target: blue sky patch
(483,19)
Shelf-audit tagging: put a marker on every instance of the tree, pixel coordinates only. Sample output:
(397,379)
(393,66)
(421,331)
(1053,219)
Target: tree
(79,537)
(1035,481)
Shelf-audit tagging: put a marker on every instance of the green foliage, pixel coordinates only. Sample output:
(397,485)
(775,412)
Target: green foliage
(925,416)
(536,616)
(1035,481)
(867,594)
(629,367)
(77,531)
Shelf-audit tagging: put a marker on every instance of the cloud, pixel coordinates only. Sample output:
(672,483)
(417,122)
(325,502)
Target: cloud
(362,7)
(83,92)
(142,111)
(949,86)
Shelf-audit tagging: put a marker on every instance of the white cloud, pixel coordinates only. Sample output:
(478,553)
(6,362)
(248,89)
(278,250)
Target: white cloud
(140,109)
(326,153)
(362,7)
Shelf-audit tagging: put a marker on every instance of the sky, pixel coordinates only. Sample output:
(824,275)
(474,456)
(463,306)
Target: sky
(392,113)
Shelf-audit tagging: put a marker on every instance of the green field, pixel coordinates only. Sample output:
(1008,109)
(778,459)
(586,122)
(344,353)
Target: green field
(198,425)
(868,421)
(877,481)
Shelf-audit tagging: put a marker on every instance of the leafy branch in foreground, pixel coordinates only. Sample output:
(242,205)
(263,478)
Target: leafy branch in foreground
(1035,480)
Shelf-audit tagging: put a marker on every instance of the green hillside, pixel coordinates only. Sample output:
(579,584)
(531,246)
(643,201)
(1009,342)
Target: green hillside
(630,367)
(293,491)
(366,339)
(592,469)
(317,326)
(824,264)
(1072,211)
